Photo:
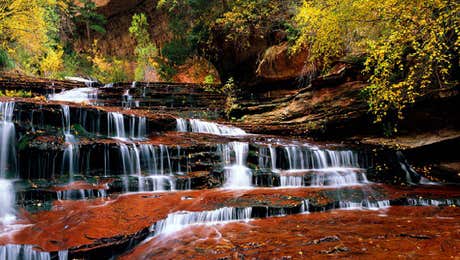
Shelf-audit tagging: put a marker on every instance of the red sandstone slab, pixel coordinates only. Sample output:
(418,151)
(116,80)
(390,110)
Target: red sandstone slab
(399,232)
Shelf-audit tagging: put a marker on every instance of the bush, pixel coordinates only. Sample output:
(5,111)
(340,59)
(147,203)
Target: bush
(209,79)
(177,51)
(5,61)
(16,93)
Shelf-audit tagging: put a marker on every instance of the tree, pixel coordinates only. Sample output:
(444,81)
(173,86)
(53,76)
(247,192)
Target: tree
(411,46)
(93,21)
(145,50)
(27,32)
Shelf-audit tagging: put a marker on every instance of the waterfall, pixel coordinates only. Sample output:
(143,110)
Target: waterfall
(263,155)
(7,162)
(71,147)
(267,158)
(364,204)
(27,252)
(200,126)
(310,166)
(22,252)
(181,125)
(116,127)
(127,99)
(77,95)
(146,158)
(8,140)
(179,220)
(338,177)
(238,175)
(272,156)
(300,158)
(138,127)
(80,194)
(410,173)
(7,199)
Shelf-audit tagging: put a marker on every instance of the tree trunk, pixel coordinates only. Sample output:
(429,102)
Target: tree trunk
(88,33)
(224,5)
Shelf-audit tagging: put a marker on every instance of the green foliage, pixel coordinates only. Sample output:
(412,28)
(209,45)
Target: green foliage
(329,29)
(33,32)
(209,79)
(229,88)
(404,65)
(166,71)
(145,50)
(411,46)
(176,51)
(86,14)
(251,19)
(5,60)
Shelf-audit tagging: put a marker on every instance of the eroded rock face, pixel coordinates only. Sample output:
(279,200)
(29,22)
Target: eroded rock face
(277,64)
(334,110)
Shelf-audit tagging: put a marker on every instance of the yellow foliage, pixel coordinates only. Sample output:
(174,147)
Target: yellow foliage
(107,70)
(411,45)
(16,93)
(52,63)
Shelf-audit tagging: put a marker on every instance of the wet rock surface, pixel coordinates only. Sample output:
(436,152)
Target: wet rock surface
(397,232)
(139,169)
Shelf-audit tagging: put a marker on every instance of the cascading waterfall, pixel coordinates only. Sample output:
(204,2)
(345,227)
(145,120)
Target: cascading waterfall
(148,159)
(181,125)
(71,151)
(364,204)
(7,162)
(433,202)
(80,194)
(410,173)
(116,127)
(199,126)
(77,95)
(324,167)
(179,220)
(22,252)
(300,158)
(27,252)
(267,158)
(338,177)
(272,157)
(127,99)
(238,175)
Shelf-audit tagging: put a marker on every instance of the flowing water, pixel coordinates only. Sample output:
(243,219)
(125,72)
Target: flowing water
(111,182)
(7,162)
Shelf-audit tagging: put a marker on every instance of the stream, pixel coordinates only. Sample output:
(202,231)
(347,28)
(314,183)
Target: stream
(136,172)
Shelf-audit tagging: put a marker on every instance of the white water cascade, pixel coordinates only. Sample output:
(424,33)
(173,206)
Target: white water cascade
(76,95)
(237,174)
(365,204)
(70,157)
(179,220)
(116,127)
(7,162)
(200,126)
(300,158)
(310,166)
(181,125)
(26,252)
(151,165)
